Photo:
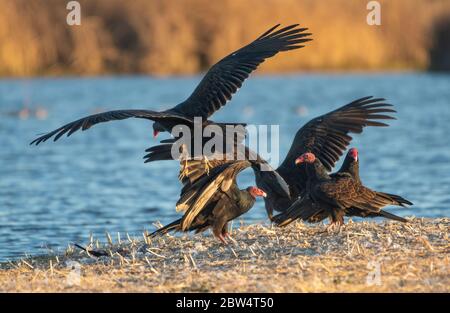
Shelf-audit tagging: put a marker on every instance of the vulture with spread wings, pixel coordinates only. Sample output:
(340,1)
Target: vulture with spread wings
(217,87)
(210,196)
(327,136)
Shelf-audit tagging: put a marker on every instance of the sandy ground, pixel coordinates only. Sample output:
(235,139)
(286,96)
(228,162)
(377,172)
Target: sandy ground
(362,257)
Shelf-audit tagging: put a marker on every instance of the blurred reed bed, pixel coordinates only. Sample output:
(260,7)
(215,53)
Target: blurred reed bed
(165,37)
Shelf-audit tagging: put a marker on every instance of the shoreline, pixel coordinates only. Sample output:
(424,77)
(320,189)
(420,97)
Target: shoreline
(362,257)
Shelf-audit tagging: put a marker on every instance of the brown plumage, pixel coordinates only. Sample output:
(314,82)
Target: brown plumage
(210,197)
(351,166)
(327,136)
(334,196)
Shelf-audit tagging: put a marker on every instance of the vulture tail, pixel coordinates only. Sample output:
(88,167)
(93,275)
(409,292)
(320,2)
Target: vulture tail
(392,216)
(396,200)
(175,225)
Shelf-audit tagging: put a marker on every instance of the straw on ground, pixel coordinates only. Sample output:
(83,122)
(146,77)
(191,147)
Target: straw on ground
(364,256)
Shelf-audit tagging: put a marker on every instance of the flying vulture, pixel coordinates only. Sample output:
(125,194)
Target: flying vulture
(217,87)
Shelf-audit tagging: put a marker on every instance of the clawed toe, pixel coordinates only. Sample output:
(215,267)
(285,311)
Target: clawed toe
(228,236)
(222,239)
(334,227)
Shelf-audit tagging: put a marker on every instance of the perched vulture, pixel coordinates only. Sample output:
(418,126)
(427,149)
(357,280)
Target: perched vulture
(351,166)
(334,195)
(214,90)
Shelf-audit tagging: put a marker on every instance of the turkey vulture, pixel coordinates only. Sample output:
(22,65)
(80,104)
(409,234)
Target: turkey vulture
(351,166)
(217,87)
(333,195)
(326,136)
(211,197)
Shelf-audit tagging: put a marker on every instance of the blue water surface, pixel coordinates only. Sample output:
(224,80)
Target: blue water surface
(96,181)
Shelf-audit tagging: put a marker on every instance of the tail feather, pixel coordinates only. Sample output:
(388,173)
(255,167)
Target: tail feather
(395,199)
(392,216)
(158,153)
(175,225)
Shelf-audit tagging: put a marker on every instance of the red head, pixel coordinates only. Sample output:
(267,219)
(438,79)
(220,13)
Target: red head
(306,158)
(353,153)
(256,192)
(155,133)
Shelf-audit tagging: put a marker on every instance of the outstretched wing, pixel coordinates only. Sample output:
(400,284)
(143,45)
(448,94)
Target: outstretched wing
(227,76)
(202,184)
(327,136)
(87,122)
(204,179)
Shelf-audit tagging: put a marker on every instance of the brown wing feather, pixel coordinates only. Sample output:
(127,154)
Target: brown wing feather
(203,181)
(346,192)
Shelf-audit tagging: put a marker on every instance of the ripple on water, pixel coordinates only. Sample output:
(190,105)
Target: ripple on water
(96,181)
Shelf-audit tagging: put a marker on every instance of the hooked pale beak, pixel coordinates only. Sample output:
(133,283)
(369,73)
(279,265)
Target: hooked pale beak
(261,193)
(257,192)
(299,160)
(155,133)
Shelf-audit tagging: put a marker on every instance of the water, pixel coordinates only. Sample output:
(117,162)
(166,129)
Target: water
(95,181)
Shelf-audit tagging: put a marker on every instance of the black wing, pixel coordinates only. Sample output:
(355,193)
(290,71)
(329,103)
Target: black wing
(227,76)
(304,208)
(164,150)
(327,136)
(86,122)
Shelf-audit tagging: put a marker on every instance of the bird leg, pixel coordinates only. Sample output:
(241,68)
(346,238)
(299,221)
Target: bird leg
(227,235)
(207,164)
(218,233)
(186,167)
(331,227)
(335,225)
(184,172)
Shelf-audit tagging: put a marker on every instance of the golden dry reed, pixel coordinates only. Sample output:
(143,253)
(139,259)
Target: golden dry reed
(164,37)
(363,257)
